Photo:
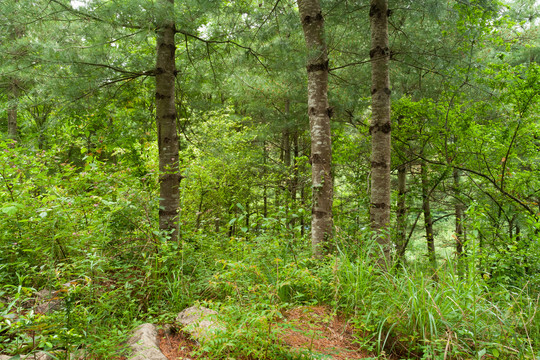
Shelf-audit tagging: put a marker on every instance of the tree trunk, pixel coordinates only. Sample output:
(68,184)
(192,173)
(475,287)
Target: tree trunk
(319,120)
(401,236)
(200,210)
(12,110)
(460,233)
(286,138)
(302,219)
(459,215)
(265,186)
(14,83)
(428,221)
(380,124)
(293,185)
(169,202)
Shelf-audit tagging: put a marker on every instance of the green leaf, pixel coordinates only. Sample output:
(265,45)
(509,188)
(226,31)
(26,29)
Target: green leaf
(481,353)
(11,209)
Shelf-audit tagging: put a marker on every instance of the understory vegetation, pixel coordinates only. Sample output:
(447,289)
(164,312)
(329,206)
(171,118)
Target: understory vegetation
(89,234)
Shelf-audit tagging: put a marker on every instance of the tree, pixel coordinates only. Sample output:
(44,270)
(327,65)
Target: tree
(109,67)
(169,178)
(380,127)
(15,50)
(319,117)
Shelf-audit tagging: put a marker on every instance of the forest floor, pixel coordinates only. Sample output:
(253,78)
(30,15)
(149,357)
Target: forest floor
(313,328)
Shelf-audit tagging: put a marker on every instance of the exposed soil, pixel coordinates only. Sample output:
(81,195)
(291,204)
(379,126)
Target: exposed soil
(176,345)
(319,330)
(314,328)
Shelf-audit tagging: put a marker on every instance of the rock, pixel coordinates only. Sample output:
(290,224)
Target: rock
(43,295)
(37,356)
(47,301)
(144,344)
(77,355)
(200,322)
(41,355)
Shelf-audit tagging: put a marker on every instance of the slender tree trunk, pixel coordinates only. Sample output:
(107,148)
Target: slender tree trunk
(428,221)
(265,186)
(401,236)
(200,210)
(319,120)
(286,138)
(286,143)
(12,111)
(286,159)
(293,186)
(248,214)
(169,202)
(302,219)
(460,233)
(380,127)
(459,215)
(15,84)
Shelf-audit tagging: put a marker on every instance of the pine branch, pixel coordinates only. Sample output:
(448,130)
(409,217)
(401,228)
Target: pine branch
(229,42)
(493,182)
(86,15)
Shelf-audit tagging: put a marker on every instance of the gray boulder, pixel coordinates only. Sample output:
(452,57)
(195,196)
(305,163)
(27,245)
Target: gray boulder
(36,356)
(200,322)
(144,344)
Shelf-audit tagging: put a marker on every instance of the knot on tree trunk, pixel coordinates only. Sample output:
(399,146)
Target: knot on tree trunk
(379,51)
(385,128)
(318,67)
(311,19)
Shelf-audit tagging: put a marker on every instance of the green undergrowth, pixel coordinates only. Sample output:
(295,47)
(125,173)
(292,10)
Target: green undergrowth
(402,312)
(412,315)
(88,233)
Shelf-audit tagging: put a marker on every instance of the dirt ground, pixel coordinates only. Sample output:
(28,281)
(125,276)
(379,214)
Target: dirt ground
(313,328)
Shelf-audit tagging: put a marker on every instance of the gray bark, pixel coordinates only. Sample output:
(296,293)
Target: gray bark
(428,221)
(380,127)
(286,138)
(319,119)
(169,202)
(14,83)
(459,215)
(12,111)
(293,186)
(401,236)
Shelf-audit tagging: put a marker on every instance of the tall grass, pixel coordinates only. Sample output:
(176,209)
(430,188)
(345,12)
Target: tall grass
(408,313)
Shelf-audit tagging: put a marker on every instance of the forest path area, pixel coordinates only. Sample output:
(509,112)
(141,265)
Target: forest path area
(313,329)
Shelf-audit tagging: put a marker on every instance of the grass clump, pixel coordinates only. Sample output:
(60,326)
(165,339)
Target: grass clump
(413,315)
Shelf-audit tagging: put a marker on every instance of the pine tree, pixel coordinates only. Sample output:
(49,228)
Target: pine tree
(319,118)
(380,127)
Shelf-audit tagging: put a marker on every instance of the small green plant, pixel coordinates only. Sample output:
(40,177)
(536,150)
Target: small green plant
(251,332)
